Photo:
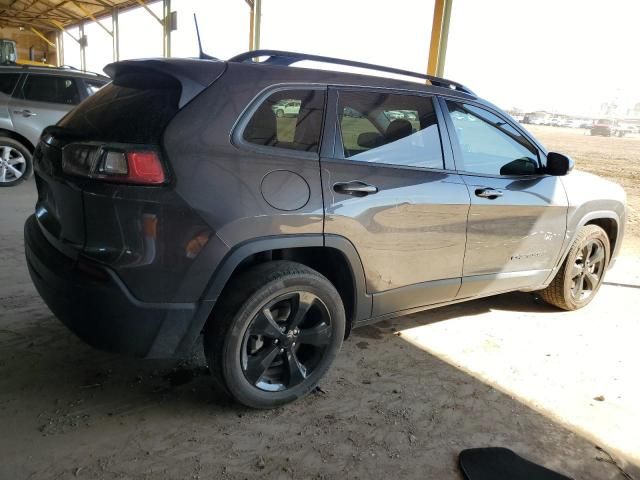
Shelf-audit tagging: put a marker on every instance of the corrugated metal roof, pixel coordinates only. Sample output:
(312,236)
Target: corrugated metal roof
(49,15)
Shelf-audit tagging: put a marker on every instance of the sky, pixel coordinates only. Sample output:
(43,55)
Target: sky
(566,56)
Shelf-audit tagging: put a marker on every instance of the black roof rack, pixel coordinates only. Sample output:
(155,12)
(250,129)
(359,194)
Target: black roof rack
(279,57)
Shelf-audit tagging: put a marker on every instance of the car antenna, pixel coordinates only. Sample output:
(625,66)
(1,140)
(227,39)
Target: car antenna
(201,55)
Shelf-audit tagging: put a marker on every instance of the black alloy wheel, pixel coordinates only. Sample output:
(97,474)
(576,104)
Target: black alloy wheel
(274,333)
(285,341)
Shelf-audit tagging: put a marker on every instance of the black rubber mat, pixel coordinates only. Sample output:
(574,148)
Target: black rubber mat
(495,463)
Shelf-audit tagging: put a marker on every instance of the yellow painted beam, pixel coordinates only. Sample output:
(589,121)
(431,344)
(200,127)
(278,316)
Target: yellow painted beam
(436,36)
(62,29)
(34,30)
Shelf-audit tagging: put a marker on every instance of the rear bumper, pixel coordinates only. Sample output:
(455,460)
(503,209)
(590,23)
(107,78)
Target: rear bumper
(93,302)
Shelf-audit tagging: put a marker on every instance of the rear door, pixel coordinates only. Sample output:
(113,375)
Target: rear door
(517,219)
(387,189)
(42,100)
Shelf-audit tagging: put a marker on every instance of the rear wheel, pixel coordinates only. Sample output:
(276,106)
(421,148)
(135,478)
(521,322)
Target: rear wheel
(581,274)
(274,334)
(15,162)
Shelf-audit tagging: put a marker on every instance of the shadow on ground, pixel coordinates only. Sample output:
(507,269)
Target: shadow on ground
(387,409)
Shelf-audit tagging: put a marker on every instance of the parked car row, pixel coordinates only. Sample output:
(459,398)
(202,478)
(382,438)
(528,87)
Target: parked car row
(612,128)
(602,126)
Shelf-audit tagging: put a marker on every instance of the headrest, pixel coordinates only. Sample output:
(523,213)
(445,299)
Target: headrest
(398,129)
(370,140)
(262,128)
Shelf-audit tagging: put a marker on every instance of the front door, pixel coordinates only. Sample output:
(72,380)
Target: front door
(387,189)
(517,219)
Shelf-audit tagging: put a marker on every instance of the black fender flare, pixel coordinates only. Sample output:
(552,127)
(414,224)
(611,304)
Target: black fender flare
(226,268)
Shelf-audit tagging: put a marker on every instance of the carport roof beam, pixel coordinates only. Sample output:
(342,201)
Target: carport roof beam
(92,17)
(151,12)
(39,34)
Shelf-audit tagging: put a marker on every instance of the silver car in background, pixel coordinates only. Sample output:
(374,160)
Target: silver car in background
(32,98)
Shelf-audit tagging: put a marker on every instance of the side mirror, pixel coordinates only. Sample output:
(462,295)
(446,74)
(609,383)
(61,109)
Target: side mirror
(558,164)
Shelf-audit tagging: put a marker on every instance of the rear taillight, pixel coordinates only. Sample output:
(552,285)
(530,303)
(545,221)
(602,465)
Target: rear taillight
(114,163)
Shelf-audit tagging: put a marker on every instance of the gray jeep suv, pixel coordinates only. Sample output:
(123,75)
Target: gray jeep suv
(32,98)
(175,202)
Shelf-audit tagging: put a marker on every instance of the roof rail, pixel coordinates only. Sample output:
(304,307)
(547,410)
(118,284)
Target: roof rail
(279,57)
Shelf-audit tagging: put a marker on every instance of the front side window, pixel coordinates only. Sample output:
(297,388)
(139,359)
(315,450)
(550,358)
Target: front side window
(389,128)
(52,89)
(489,145)
(290,119)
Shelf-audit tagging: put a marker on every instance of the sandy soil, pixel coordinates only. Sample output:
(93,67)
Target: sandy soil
(399,402)
(617,159)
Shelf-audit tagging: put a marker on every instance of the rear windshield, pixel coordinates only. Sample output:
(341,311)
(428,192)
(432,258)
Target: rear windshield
(134,108)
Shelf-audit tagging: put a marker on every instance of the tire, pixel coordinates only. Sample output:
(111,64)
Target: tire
(241,338)
(279,113)
(564,291)
(14,157)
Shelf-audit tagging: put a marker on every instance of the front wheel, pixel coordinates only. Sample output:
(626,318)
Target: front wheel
(581,274)
(15,162)
(274,333)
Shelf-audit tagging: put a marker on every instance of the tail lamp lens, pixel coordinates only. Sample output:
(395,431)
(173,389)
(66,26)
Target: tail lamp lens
(145,167)
(113,164)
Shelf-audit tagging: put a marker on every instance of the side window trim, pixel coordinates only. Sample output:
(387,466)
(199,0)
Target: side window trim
(455,143)
(333,123)
(237,130)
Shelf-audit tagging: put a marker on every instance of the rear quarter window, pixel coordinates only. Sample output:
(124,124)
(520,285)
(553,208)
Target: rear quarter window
(132,109)
(288,119)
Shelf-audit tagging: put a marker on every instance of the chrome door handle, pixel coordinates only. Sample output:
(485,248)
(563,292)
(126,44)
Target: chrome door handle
(25,113)
(355,188)
(490,193)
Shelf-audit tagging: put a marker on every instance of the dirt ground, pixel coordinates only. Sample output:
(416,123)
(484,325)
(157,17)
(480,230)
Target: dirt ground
(403,399)
(614,158)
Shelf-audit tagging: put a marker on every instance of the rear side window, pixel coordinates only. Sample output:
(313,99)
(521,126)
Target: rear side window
(52,89)
(133,109)
(290,119)
(8,82)
(389,128)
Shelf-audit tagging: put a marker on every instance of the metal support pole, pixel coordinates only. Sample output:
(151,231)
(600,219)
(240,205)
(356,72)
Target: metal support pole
(59,49)
(251,15)
(83,48)
(257,18)
(115,35)
(166,28)
(439,36)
